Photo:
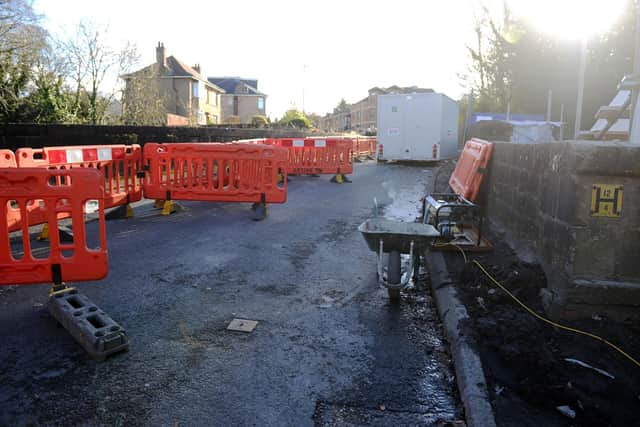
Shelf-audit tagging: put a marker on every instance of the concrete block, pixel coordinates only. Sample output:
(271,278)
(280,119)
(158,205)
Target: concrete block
(91,327)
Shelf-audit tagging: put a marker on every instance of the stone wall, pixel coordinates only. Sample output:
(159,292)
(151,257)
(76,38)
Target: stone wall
(541,196)
(14,136)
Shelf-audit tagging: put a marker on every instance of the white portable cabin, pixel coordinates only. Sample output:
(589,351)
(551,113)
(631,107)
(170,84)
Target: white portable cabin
(417,126)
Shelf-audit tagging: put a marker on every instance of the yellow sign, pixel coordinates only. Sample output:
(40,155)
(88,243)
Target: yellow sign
(606,200)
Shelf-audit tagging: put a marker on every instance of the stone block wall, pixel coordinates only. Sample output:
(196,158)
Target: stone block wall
(541,196)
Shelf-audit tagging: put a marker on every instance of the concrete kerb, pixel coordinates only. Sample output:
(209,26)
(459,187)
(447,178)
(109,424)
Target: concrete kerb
(469,372)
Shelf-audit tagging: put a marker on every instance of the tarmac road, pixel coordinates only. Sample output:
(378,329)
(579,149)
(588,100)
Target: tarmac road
(329,348)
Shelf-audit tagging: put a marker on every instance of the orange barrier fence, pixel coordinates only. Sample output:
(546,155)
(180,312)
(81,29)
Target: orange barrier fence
(364,146)
(7,159)
(467,177)
(119,165)
(57,192)
(316,155)
(229,172)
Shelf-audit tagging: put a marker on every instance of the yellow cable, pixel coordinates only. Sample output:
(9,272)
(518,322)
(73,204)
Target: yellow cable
(442,245)
(552,323)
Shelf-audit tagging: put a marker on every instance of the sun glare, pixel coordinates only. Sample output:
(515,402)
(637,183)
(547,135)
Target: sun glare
(570,19)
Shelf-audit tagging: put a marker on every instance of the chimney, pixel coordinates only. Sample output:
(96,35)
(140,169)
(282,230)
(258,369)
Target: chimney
(197,68)
(160,55)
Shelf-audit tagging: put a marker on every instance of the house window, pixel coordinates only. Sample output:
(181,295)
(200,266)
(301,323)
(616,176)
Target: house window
(212,97)
(260,103)
(195,86)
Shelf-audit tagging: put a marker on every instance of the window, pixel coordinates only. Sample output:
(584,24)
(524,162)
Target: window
(195,86)
(212,98)
(260,103)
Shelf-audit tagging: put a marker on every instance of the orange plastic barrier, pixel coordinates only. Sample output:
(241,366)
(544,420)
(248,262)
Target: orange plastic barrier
(229,172)
(119,165)
(470,169)
(317,155)
(364,146)
(13,216)
(7,159)
(62,262)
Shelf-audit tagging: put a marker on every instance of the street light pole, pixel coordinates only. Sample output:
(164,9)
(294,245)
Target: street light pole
(581,72)
(636,74)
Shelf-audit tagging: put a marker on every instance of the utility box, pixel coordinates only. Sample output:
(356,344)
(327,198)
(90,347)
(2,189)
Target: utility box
(417,126)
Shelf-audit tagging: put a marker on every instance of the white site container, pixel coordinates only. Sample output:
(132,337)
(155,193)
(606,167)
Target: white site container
(418,126)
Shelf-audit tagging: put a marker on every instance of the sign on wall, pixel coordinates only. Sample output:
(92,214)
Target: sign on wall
(606,200)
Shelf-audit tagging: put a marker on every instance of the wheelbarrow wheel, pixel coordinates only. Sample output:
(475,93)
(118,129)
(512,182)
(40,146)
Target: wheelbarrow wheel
(394,270)
(394,294)
(394,275)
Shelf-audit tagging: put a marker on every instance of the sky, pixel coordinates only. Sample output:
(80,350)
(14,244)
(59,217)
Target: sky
(306,55)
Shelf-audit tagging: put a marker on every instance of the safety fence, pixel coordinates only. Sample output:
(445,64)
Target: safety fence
(56,193)
(364,147)
(315,156)
(119,164)
(230,172)
(248,171)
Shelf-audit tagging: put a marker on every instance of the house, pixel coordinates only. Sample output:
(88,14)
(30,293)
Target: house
(362,115)
(188,97)
(242,100)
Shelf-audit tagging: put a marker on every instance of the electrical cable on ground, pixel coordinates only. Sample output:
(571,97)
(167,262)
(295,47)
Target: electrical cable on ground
(552,323)
(538,316)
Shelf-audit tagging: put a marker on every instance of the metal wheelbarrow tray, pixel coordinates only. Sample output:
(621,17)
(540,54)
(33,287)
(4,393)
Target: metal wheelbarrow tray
(395,238)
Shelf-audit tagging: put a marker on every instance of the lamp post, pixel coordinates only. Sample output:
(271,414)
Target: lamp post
(581,72)
(634,135)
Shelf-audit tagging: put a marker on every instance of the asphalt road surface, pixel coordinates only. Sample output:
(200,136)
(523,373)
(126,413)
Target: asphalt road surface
(329,348)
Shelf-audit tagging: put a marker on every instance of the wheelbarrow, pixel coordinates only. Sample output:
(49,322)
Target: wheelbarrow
(396,238)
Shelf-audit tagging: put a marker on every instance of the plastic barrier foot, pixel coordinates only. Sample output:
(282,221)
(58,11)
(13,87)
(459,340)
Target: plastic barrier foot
(91,327)
(261,210)
(158,204)
(44,233)
(168,208)
(121,212)
(340,178)
(64,234)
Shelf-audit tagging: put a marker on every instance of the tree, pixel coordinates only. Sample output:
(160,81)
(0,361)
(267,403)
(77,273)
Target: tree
(142,100)
(92,62)
(295,119)
(514,63)
(314,118)
(342,107)
(21,43)
(259,121)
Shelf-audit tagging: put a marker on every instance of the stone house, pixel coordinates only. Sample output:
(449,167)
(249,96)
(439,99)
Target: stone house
(189,97)
(242,100)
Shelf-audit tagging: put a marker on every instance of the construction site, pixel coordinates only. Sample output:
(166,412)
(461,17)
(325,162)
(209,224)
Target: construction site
(409,259)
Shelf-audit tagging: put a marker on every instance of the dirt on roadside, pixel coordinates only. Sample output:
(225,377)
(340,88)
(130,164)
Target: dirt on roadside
(525,359)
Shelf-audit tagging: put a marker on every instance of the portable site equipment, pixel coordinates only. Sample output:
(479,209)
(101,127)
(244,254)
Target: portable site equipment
(456,215)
